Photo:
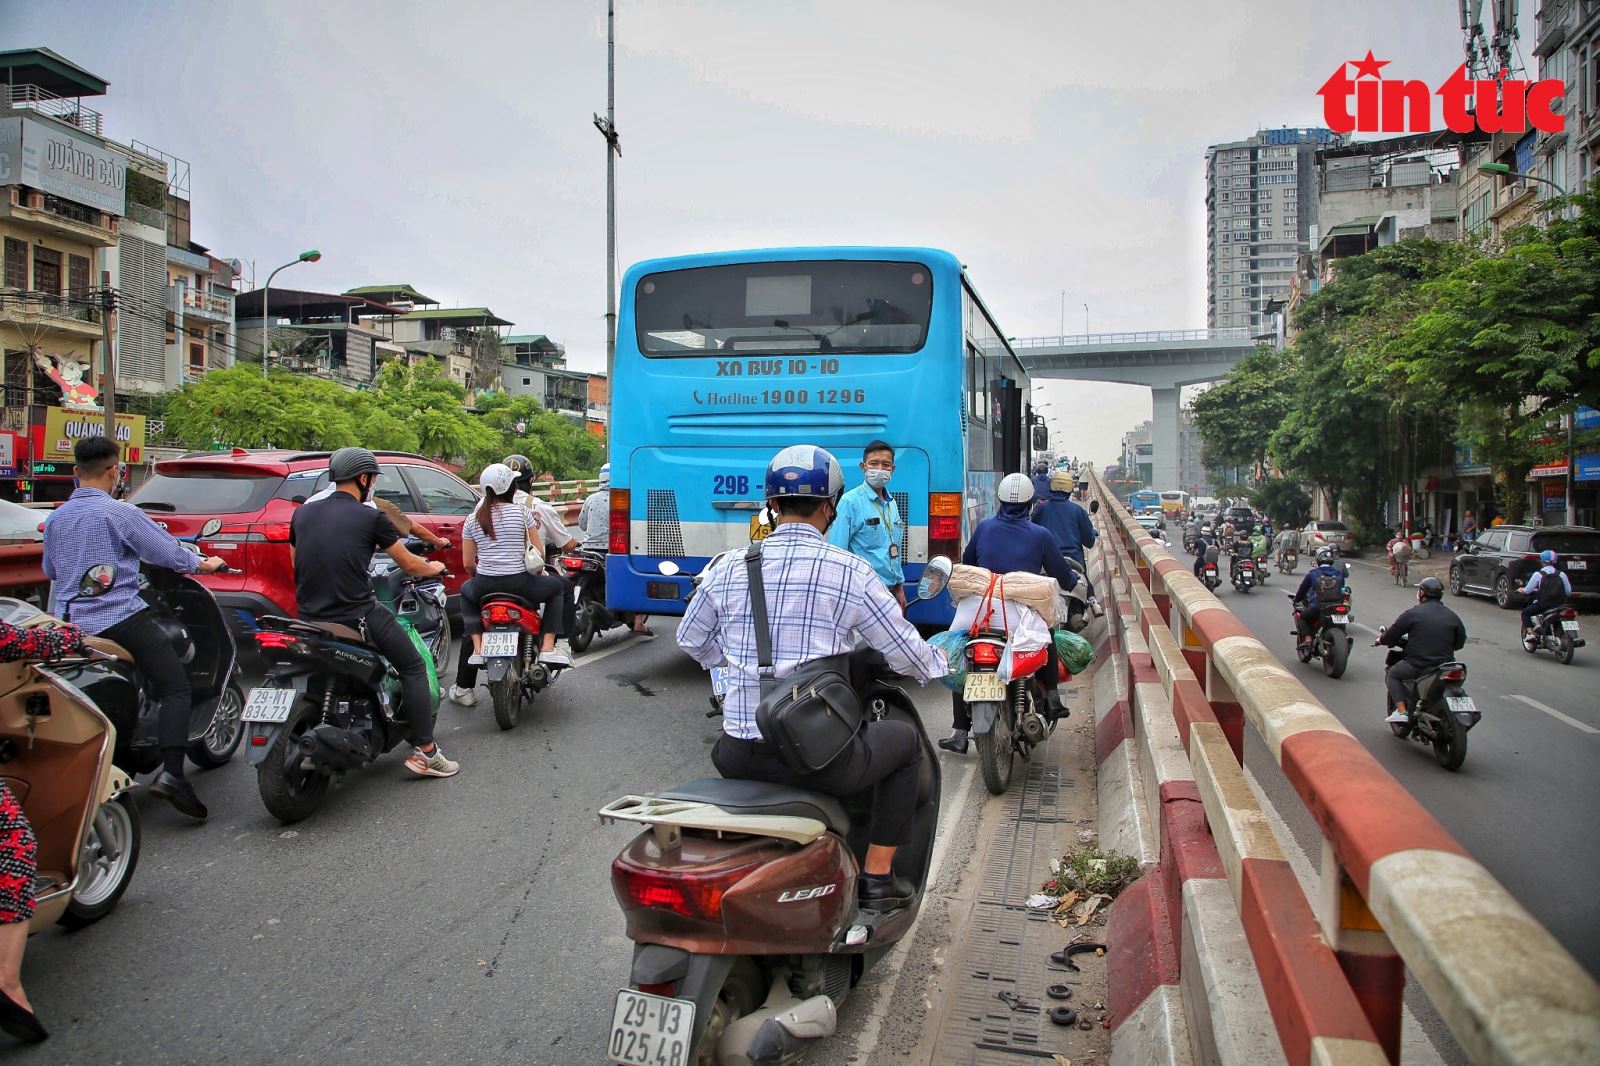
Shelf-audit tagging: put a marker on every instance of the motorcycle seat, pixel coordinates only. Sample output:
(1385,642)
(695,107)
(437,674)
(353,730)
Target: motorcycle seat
(507,597)
(332,629)
(760,797)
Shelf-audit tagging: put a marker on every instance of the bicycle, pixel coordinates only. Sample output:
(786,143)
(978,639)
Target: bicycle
(1400,567)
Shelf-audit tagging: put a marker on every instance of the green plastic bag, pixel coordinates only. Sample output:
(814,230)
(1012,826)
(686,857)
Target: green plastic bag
(427,658)
(1076,653)
(954,645)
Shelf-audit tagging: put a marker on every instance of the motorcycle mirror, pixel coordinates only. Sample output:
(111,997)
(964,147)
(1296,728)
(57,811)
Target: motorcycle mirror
(211,527)
(668,568)
(935,576)
(97,580)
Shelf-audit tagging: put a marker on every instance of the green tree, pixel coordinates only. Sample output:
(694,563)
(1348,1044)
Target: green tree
(1237,416)
(1282,500)
(236,408)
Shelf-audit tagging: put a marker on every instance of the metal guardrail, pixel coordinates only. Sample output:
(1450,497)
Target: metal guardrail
(45,102)
(1235,333)
(1395,890)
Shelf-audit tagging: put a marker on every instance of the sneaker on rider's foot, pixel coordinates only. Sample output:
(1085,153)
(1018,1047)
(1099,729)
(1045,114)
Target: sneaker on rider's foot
(466,697)
(556,657)
(956,742)
(431,763)
(1398,718)
(475,659)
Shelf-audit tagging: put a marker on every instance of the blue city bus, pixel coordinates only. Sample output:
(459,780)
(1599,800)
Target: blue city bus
(1144,500)
(725,358)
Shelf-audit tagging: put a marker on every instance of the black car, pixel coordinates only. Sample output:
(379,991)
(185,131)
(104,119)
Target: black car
(1243,518)
(1504,557)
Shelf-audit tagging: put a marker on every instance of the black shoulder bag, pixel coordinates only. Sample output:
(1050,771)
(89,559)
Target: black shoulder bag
(812,715)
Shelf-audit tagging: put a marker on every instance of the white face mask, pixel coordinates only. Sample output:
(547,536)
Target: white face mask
(878,478)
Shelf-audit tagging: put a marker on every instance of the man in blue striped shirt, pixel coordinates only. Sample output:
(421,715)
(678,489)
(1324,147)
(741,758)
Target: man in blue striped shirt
(91,528)
(816,594)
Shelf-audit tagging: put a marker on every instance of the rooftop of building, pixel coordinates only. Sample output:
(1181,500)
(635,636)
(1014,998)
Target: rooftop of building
(392,294)
(303,304)
(480,316)
(49,71)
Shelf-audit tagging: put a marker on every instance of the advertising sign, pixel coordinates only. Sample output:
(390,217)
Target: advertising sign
(76,168)
(63,428)
(10,449)
(1555,495)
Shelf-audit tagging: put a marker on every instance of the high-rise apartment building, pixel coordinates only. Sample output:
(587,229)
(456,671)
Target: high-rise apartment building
(1261,201)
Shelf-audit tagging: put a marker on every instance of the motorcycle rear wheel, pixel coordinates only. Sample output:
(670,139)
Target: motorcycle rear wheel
(105,877)
(995,752)
(740,994)
(1564,648)
(507,695)
(1450,741)
(585,629)
(1335,655)
(290,795)
(223,733)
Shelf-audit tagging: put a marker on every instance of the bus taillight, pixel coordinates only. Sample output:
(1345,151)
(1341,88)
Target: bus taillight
(944,524)
(619,522)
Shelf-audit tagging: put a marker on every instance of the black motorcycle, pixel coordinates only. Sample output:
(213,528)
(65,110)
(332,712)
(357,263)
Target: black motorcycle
(1441,715)
(1288,559)
(1331,641)
(329,702)
(1208,570)
(1555,630)
(586,569)
(1242,573)
(187,613)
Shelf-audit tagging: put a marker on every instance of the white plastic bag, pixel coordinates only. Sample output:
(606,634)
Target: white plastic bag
(1026,647)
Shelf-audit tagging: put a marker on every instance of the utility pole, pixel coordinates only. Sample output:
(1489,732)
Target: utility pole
(608,129)
(108,378)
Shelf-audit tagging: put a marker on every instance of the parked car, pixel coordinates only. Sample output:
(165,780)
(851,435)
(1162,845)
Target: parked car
(1327,534)
(1501,560)
(19,523)
(255,493)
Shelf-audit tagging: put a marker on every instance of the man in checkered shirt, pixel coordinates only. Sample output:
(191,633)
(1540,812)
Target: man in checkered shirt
(816,595)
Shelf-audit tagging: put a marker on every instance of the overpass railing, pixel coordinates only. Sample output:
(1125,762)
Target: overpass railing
(1394,891)
(1235,333)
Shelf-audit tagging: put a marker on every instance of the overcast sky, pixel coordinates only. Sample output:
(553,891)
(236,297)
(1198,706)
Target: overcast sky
(1051,145)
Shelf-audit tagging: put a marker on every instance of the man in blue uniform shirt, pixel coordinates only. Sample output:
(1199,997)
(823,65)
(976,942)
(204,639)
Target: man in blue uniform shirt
(869,524)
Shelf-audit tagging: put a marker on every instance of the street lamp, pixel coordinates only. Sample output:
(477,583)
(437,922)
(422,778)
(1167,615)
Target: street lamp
(1085,320)
(1505,171)
(309,256)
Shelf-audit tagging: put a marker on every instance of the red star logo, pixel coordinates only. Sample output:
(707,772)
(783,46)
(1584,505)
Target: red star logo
(1369,66)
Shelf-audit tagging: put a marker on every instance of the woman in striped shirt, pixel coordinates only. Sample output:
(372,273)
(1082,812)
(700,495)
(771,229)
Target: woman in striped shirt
(494,545)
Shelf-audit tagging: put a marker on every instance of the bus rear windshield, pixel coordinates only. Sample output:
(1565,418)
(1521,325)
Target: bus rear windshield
(832,306)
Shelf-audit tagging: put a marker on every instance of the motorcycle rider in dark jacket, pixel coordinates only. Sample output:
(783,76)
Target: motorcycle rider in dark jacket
(1546,590)
(1307,598)
(1069,524)
(1430,633)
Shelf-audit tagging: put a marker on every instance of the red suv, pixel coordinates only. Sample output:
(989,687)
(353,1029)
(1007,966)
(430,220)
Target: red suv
(255,493)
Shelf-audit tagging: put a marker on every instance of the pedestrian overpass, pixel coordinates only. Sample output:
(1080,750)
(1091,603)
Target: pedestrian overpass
(1163,361)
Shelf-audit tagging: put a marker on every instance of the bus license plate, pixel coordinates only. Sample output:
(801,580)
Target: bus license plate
(1569,625)
(719,681)
(1340,620)
(984,688)
(269,704)
(500,645)
(650,1030)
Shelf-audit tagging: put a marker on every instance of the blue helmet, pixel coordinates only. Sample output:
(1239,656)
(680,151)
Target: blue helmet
(804,470)
(1548,558)
(605,473)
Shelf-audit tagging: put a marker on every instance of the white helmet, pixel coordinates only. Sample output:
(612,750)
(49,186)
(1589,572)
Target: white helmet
(497,478)
(605,474)
(1015,488)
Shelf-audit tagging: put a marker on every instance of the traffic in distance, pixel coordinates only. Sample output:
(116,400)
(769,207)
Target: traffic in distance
(826,460)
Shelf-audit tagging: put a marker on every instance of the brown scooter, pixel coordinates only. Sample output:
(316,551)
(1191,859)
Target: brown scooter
(55,756)
(740,898)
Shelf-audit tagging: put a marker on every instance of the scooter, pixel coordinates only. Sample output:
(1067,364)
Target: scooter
(1331,642)
(57,757)
(586,569)
(1557,631)
(1441,715)
(1007,715)
(511,639)
(1075,618)
(188,615)
(329,702)
(740,898)
(1209,572)
(1243,573)
(1288,560)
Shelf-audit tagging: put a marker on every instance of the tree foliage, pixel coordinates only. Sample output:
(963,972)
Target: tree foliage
(1236,417)
(411,408)
(1283,501)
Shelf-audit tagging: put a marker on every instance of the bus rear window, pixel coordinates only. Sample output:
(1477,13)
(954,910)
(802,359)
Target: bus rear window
(758,308)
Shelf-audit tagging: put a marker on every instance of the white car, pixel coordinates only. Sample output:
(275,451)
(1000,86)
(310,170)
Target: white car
(19,523)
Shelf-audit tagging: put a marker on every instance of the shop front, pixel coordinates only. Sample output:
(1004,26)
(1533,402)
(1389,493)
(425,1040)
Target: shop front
(44,475)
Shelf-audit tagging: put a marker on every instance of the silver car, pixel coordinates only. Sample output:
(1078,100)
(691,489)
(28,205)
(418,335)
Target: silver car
(1327,534)
(19,523)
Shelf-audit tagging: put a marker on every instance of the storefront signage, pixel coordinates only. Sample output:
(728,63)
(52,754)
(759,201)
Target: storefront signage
(1549,470)
(1555,495)
(63,429)
(75,168)
(1587,418)
(1466,463)
(1588,467)
(10,454)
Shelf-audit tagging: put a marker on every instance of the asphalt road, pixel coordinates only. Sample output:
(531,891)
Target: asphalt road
(465,921)
(1524,803)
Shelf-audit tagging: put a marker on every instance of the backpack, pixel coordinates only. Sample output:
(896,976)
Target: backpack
(1551,592)
(1330,589)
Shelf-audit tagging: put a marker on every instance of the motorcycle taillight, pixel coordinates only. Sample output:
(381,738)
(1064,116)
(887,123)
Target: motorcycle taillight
(1341,609)
(501,614)
(270,640)
(1569,614)
(1455,673)
(572,563)
(984,655)
(693,895)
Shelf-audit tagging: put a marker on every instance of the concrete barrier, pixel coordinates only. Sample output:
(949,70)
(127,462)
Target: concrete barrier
(1395,889)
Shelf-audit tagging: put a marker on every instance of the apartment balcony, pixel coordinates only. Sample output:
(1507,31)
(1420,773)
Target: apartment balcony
(41,212)
(78,316)
(204,305)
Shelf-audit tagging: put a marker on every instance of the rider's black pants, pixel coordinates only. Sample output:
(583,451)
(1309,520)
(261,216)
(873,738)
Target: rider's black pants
(1397,676)
(394,644)
(165,680)
(884,756)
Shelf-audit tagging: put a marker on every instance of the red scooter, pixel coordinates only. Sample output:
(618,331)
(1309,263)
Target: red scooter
(740,897)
